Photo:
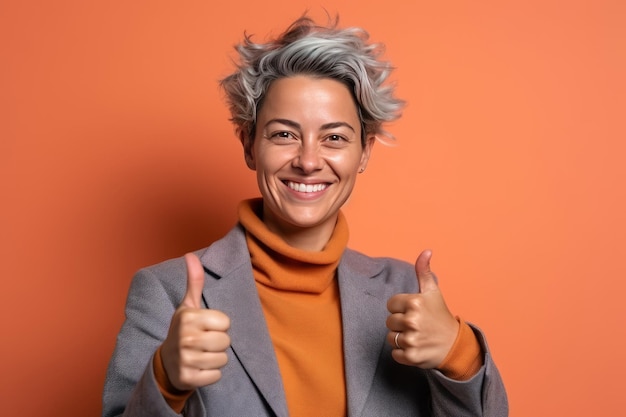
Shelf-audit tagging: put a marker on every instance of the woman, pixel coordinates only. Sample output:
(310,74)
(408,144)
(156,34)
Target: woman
(279,317)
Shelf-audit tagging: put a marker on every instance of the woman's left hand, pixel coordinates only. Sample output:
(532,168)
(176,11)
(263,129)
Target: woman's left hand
(421,328)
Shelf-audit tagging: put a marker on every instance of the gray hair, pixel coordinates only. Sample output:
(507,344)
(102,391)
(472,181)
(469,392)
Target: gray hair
(318,51)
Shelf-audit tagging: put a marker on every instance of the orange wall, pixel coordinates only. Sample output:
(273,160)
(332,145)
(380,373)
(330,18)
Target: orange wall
(115,152)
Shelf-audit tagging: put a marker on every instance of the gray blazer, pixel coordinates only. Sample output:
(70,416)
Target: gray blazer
(251,384)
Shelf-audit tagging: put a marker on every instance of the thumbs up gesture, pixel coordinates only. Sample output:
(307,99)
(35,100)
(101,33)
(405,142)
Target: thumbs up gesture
(421,328)
(195,348)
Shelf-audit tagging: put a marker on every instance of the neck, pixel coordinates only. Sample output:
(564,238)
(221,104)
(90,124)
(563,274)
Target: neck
(312,238)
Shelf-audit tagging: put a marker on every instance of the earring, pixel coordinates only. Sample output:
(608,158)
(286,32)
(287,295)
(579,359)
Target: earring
(361,170)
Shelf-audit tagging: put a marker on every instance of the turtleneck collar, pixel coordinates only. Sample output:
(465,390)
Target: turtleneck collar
(283,267)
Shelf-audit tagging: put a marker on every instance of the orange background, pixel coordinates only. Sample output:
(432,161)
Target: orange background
(116,152)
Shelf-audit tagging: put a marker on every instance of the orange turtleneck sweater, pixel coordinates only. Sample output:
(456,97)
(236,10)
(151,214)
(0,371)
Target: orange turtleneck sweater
(300,300)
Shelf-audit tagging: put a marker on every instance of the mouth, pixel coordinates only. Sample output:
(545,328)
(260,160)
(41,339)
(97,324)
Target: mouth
(306,188)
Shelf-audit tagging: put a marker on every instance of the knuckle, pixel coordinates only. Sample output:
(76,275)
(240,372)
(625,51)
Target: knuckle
(186,317)
(415,358)
(188,341)
(185,358)
(414,303)
(411,321)
(411,339)
(186,377)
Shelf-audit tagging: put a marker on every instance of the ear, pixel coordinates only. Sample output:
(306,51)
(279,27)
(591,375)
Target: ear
(367,151)
(248,148)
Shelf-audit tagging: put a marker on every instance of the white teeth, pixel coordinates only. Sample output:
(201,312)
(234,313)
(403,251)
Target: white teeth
(306,188)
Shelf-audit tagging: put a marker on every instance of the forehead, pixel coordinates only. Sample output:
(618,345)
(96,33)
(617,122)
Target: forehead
(305,98)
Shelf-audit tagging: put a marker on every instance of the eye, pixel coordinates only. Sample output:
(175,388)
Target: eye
(336,140)
(281,136)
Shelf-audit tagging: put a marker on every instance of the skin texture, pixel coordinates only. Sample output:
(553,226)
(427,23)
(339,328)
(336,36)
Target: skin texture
(308,132)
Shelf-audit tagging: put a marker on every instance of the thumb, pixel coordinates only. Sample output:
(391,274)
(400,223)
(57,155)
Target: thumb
(195,282)
(425,278)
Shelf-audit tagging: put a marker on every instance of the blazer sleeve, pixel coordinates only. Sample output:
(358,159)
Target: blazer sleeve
(130,387)
(483,395)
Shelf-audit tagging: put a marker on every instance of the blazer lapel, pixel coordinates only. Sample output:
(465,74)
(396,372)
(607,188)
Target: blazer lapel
(364,311)
(232,290)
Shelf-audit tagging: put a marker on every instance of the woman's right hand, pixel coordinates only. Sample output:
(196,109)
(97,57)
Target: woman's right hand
(195,348)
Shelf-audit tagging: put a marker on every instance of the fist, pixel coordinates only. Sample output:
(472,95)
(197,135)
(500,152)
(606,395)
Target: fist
(195,347)
(421,328)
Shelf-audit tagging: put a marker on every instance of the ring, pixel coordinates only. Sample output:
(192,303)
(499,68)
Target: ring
(395,340)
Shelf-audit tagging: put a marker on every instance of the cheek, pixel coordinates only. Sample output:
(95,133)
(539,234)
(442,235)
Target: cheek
(270,161)
(345,164)
(262,159)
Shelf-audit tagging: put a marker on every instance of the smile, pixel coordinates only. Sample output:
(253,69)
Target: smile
(306,188)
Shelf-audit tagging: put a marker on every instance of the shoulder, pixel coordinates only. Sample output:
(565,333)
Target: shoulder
(170,275)
(167,279)
(356,259)
(392,272)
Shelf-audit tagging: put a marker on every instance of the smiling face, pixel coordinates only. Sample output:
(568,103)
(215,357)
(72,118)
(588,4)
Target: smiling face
(307,153)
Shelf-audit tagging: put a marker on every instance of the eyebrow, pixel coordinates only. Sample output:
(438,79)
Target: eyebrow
(295,125)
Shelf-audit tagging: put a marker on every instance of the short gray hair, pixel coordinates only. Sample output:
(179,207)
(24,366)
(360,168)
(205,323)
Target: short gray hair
(318,51)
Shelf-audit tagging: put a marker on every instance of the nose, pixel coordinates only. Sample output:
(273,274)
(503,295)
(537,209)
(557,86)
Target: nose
(309,158)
